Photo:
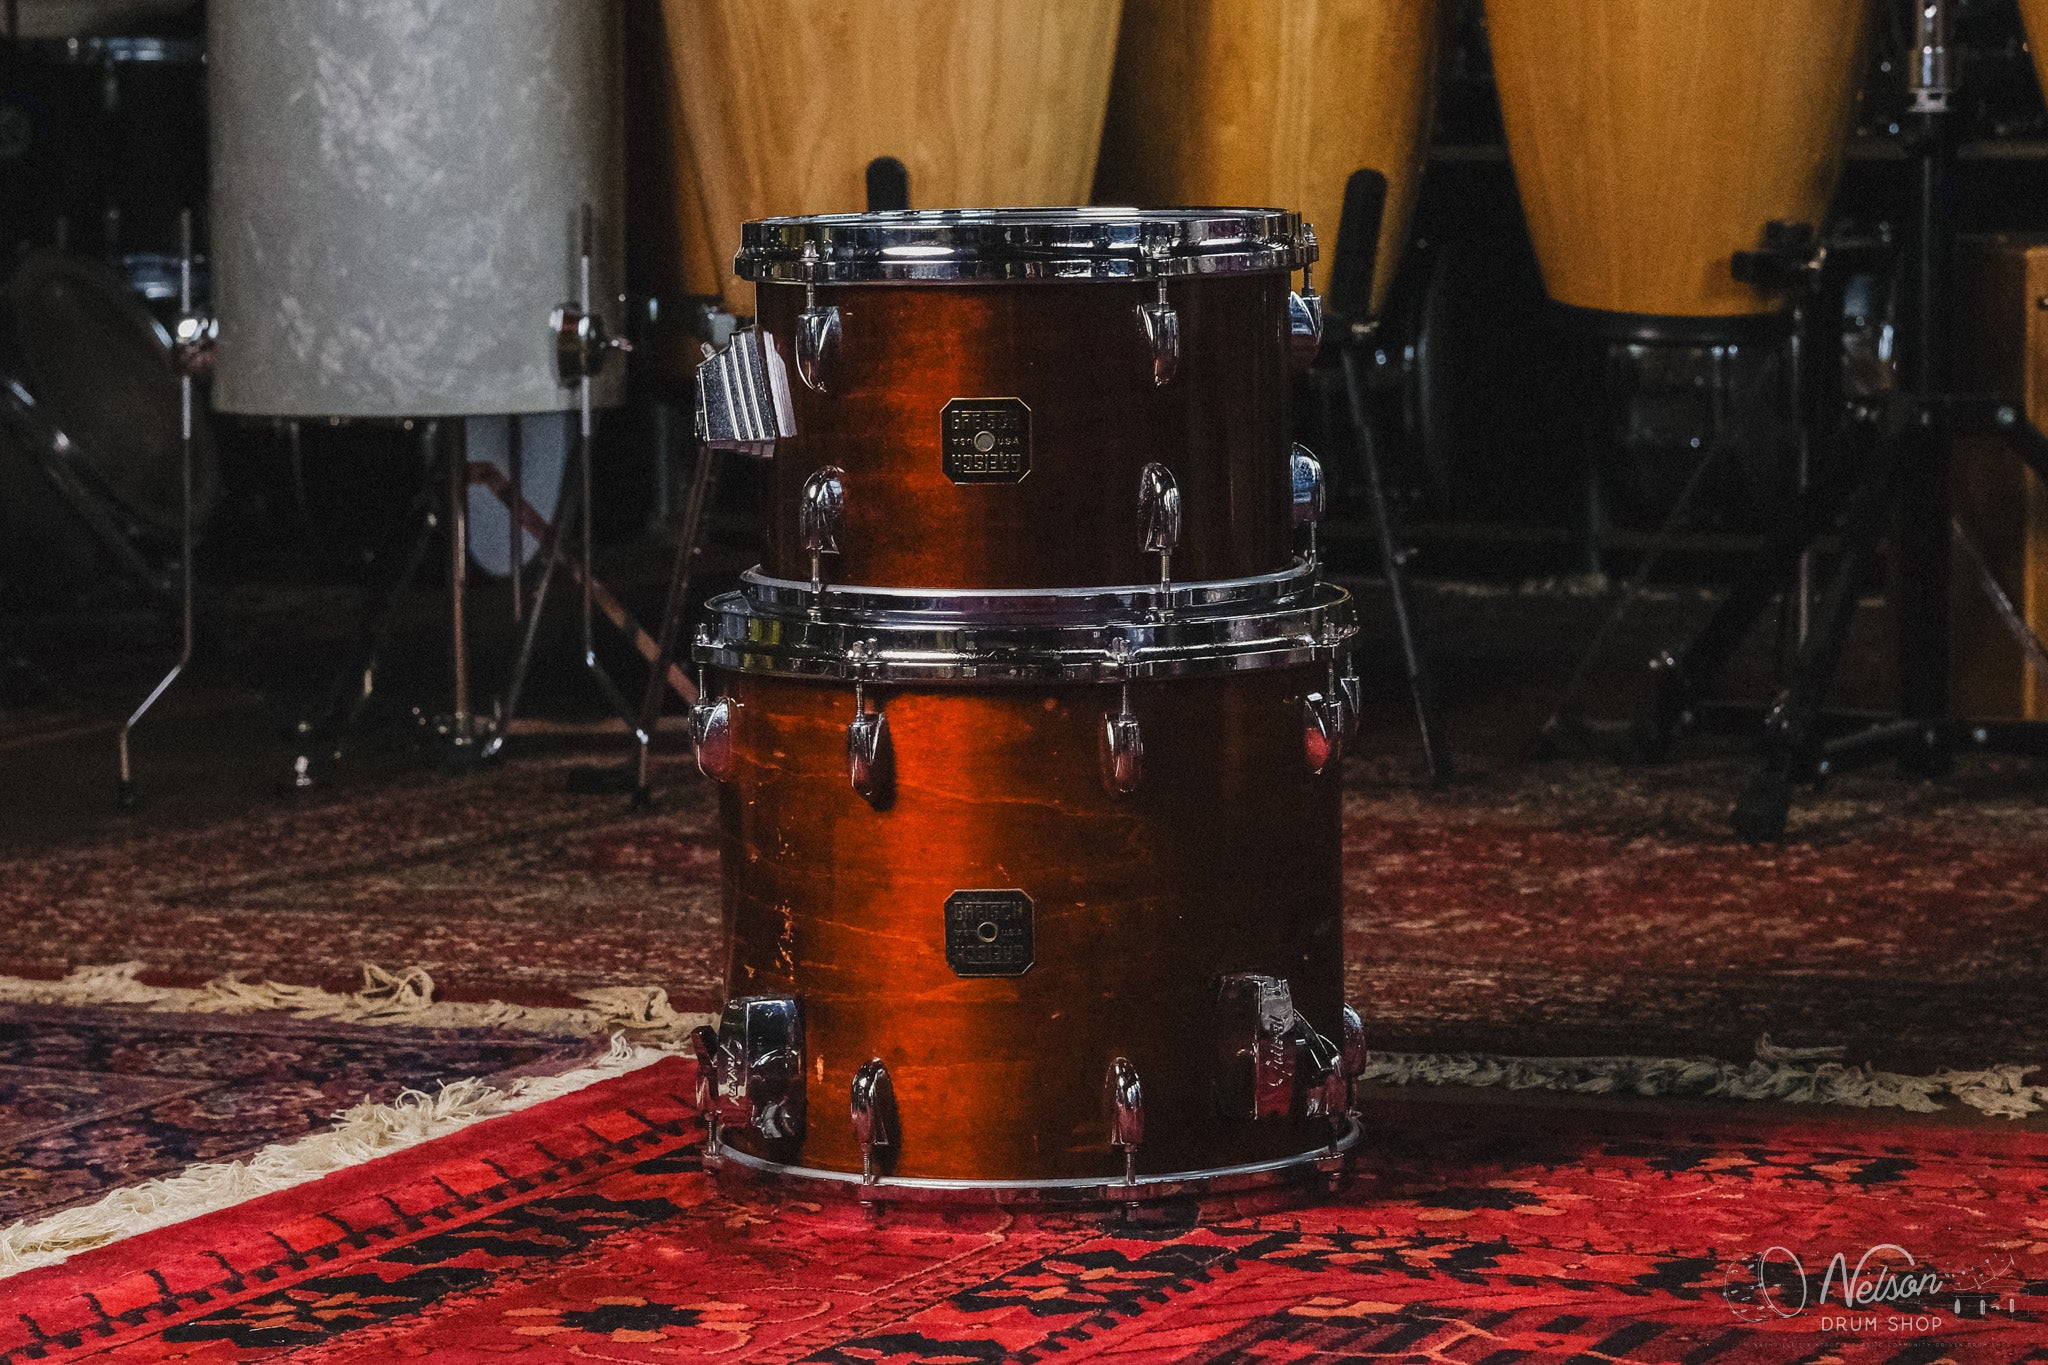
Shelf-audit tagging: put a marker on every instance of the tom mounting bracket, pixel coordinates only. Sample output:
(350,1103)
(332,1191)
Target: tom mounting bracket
(583,345)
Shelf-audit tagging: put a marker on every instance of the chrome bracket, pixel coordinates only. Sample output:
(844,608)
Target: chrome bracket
(582,345)
(874,1114)
(1351,692)
(704,1047)
(821,510)
(1123,743)
(1161,325)
(1159,514)
(743,395)
(867,736)
(1305,475)
(817,337)
(1256,1046)
(1322,731)
(1272,1063)
(192,342)
(759,1069)
(711,734)
(1353,1054)
(1124,1098)
(1305,313)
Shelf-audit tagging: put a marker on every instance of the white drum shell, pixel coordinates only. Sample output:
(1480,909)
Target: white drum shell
(396,188)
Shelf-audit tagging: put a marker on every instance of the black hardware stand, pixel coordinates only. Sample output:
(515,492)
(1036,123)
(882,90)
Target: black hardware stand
(1903,485)
(1352,333)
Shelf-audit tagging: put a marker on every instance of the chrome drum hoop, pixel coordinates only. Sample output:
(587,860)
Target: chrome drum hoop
(910,246)
(1029,606)
(1327,1163)
(920,648)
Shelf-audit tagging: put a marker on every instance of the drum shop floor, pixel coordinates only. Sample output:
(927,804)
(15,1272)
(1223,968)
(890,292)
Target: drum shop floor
(1615,1048)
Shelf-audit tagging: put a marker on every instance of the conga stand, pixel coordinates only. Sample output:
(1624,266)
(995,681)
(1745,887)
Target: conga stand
(1355,336)
(192,352)
(1905,487)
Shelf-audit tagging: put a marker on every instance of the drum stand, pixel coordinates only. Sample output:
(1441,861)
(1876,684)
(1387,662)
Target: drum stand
(192,353)
(581,351)
(1350,304)
(1905,486)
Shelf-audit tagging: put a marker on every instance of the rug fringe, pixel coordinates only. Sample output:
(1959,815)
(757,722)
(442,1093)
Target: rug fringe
(387,997)
(360,1134)
(1787,1075)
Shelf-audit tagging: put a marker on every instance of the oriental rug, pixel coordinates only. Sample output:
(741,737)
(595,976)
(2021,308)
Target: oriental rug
(586,1229)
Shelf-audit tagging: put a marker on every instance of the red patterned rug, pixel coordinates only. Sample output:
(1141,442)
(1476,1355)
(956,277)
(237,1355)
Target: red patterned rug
(584,1229)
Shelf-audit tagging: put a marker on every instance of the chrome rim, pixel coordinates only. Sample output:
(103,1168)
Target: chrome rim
(1022,244)
(1326,1160)
(788,638)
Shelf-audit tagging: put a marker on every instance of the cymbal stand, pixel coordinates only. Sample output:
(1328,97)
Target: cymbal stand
(1356,333)
(192,352)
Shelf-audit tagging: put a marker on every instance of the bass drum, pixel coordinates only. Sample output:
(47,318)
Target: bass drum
(1023,935)
(1653,140)
(985,102)
(1224,102)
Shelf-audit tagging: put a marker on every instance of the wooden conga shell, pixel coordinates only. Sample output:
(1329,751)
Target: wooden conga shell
(1225,102)
(1224,861)
(985,102)
(1653,139)
(1075,356)
(2034,18)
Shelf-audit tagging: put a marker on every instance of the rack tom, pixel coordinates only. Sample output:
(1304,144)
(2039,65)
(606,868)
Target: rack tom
(1022,398)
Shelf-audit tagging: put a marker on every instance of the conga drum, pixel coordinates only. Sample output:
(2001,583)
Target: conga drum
(1654,139)
(985,102)
(1223,102)
(1029,728)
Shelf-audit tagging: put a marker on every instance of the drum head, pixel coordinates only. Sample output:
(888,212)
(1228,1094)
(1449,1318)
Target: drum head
(101,366)
(1022,244)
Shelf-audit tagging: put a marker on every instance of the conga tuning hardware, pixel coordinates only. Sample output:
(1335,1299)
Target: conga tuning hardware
(1159,514)
(1124,1097)
(874,1114)
(1161,324)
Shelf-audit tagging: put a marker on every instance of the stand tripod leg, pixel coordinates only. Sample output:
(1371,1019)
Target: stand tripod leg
(1436,755)
(1789,741)
(1565,714)
(347,699)
(703,479)
(550,556)
(124,791)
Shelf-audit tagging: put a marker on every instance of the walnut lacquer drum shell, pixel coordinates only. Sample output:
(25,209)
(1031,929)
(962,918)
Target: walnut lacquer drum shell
(985,102)
(1228,102)
(1225,860)
(1076,356)
(1653,139)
